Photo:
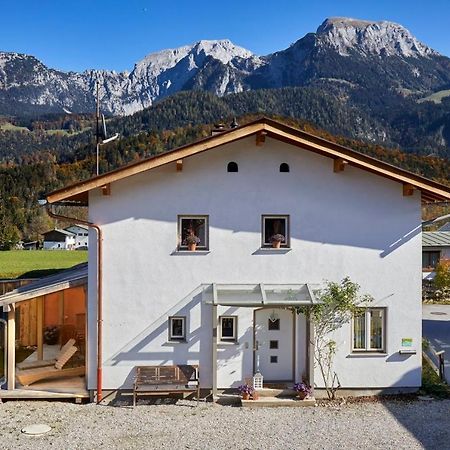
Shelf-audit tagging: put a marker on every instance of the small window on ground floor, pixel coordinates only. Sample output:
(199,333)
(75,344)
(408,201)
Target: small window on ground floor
(228,328)
(369,328)
(275,231)
(177,328)
(193,233)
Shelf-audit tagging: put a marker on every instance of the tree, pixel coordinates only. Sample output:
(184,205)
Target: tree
(442,280)
(339,302)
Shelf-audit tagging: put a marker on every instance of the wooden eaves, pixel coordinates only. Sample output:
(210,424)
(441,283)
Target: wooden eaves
(431,191)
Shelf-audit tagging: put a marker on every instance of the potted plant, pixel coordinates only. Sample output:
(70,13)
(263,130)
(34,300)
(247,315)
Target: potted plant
(276,240)
(191,241)
(51,335)
(245,390)
(303,390)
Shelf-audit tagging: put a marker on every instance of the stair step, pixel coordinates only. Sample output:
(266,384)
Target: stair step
(274,402)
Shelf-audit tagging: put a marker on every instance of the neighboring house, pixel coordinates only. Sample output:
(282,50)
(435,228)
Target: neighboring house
(435,246)
(59,240)
(228,305)
(81,236)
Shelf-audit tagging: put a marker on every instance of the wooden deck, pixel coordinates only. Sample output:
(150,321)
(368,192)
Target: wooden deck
(65,388)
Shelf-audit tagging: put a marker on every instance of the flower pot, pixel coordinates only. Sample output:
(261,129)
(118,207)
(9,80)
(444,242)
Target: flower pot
(255,395)
(245,396)
(276,244)
(192,247)
(301,395)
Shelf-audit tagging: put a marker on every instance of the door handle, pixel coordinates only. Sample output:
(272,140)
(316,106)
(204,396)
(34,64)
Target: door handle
(256,345)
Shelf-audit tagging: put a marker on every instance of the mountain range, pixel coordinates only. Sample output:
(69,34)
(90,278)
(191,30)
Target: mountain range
(392,88)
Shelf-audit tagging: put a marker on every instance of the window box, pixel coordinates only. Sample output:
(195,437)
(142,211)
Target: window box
(177,329)
(275,232)
(228,329)
(193,233)
(369,330)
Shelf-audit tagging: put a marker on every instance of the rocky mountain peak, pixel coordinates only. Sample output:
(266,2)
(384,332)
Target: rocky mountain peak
(381,38)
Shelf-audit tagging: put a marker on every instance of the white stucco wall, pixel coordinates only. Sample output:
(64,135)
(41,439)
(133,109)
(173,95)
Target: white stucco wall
(351,223)
(54,245)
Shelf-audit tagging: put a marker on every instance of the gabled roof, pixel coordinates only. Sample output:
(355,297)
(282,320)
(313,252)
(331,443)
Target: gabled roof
(57,230)
(430,190)
(436,239)
(75,276)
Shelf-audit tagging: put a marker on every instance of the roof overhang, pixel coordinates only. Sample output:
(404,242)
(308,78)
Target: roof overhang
(431,191)
(260,294)
(66,279)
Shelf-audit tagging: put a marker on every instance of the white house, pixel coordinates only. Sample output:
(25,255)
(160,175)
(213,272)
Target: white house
(81,236)
(225,306)
(59,240)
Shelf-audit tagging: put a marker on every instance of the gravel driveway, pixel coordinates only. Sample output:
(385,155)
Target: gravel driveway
(387,425)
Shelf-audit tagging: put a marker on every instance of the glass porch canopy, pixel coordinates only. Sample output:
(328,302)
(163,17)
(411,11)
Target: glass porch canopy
(260,294)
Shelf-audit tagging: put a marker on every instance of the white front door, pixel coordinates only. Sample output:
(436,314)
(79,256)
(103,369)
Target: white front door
(274,333)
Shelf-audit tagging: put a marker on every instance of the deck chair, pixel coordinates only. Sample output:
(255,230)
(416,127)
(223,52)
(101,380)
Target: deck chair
(30,376)
(47,362)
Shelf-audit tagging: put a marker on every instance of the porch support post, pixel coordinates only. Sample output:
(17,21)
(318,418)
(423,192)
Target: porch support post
(311,349)
(40,328)
(214,352)
(11,352)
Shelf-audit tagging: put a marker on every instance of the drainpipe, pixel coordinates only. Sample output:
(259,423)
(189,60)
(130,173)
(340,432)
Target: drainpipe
(99,294)
(435,220)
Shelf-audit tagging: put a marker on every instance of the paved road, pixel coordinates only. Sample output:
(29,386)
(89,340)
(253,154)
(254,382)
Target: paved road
(436,328)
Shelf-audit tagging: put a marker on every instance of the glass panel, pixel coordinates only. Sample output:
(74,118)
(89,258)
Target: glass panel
(273,324)
(376,329)
(227,327)
(193,226)
(359,331)
(177,329)
(274,359)
(273,344)
(272,226)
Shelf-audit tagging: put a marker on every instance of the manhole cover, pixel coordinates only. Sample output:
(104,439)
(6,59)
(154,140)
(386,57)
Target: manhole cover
(36,429)
(438,313)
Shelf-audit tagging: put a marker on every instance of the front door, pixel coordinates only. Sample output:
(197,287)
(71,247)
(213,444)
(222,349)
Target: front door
(273,346)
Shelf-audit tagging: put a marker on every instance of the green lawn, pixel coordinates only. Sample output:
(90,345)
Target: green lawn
(38,263)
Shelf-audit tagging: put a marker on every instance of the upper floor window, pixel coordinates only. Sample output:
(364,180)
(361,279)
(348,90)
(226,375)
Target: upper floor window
(232,167)
(275,231)
(284,167)
(193,233)
(369,330)
(430,259)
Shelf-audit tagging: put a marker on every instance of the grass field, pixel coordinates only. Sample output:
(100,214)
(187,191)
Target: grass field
(38,263)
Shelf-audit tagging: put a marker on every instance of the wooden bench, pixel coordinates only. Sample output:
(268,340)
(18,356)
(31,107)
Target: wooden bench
(166,380)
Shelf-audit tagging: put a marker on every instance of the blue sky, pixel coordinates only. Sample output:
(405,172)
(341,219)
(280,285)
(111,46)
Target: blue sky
(114,34)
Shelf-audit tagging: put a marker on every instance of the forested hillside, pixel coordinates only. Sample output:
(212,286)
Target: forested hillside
(22,184)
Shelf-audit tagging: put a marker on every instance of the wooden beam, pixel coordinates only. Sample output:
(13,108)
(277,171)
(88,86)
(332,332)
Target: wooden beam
(408,190)
(261,138)
(339,165)
(106,189)
(40,328)
(11,348)
(179,165)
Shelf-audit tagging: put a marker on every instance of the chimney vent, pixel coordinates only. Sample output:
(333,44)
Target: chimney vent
(218,128)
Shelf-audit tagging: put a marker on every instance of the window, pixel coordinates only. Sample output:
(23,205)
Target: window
(232,167)
(193,226)
(430,259)
(273,345)
(273,324)
(284,167)
(273,359)
(177,328)
(228,328)
(274,227)
(369,330)
(85,234)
